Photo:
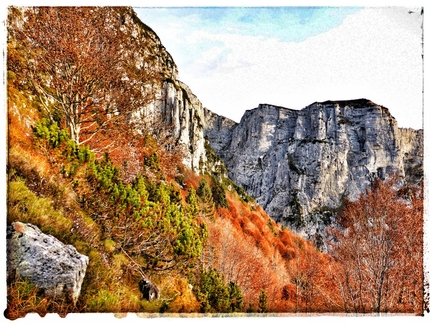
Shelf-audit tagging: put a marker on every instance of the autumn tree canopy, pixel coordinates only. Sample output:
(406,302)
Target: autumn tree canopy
(84,65)
(379,250)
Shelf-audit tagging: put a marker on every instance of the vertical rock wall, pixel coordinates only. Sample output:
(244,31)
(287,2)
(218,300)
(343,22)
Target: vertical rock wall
(295,162)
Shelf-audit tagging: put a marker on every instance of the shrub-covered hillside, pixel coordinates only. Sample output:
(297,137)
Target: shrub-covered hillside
(82,169)
(176,231)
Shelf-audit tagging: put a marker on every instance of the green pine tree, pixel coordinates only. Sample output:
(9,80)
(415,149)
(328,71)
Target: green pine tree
(262,302)
(207,203)
(218,194)
(236,297)
(191,199)
(217,296)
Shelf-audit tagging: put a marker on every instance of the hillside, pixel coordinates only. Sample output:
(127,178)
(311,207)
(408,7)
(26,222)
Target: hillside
(107,153)
(67,192)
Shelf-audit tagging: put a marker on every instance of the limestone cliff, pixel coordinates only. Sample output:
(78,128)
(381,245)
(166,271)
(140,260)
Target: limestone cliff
(296,164)
(174,103)
(184,112)
(413,154)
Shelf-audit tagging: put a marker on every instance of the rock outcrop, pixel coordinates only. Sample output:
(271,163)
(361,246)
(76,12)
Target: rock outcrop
(218,130)
(411,143)
(173,102)
(55,268)
(185,114)
(298,164)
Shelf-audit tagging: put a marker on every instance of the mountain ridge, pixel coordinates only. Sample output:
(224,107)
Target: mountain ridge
(263,154)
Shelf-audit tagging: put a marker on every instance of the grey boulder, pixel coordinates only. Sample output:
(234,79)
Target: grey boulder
(54,267)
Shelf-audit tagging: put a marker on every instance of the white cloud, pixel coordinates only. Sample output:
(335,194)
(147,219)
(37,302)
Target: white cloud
(374,54)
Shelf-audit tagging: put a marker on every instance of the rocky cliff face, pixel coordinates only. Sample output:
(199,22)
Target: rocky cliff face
(298,164)
(192,125)
(185,113)
(412,145)
(219,131)
(174,103)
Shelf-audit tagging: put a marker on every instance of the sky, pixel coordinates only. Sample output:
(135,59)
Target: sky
(234,58)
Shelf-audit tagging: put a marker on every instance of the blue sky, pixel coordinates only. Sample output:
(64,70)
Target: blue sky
(288,24)
(234,58)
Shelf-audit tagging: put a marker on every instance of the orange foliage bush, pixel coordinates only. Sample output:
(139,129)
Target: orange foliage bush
(379,253)
(285,237)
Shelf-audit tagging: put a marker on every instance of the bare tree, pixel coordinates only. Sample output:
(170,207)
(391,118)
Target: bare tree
(379,251)
(245,264)
(87,68)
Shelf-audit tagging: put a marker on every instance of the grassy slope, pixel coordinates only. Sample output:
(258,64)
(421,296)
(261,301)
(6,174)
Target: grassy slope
(39,194)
